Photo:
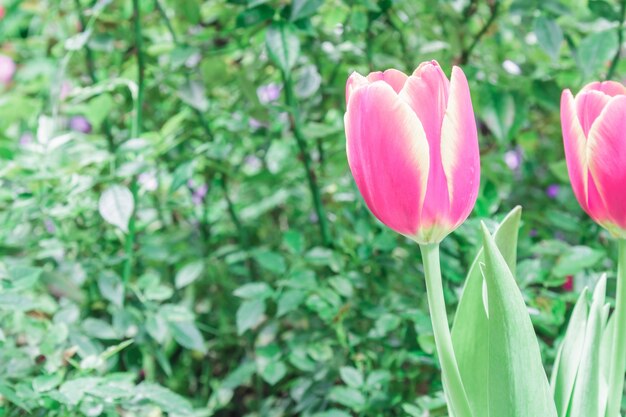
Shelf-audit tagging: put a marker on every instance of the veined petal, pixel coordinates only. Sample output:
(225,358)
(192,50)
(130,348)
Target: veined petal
(589,105)
(426,91)
(611,88)
(393,77)
(574,142)
(459,149)
(388,155)
(607,159)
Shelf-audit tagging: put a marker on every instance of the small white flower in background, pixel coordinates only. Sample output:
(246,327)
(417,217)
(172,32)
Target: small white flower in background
(148,181)
(511,67)
(45,129)
(513,159)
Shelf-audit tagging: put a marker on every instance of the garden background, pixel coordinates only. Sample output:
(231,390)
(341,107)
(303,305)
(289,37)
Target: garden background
(179,231)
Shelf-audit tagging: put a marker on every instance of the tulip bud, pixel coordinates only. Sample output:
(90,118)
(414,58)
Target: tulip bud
(594,136)
(413,149)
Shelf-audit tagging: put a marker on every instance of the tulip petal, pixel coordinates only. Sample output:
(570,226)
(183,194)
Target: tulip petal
(574,142)
(589,105)
(611,88)
(355,80)
(459,149)
(393,77)
(607,159)
(388,155)
(426,91)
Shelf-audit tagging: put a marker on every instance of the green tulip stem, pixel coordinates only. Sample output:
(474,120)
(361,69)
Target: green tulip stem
(618,350)
(455,392)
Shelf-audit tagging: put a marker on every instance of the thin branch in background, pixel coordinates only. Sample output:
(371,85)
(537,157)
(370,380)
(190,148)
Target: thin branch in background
(135,133)
(244,241)
(294,118)
(91,69)
(406,54)
(620,40)
(494,8)
(170,28)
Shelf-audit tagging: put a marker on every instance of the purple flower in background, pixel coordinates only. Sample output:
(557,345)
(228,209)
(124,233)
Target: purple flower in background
(148,181)
(198,194)
(7,69)
(268,93)
(26,139)
(513,159)
(255,124)
(253,162)
(533,233)
(553,190)
(80,124)
(49,225)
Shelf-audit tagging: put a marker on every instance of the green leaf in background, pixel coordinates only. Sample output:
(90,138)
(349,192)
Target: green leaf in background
(470,330)
(350,397)
(352,377)
(187,334)
(254,291)
(116,206)
(189,273)
(501,112)
(549,35)
(271,261)
(589,395)
(249,315)
(575,259)
(111,287)
(283,46)
(518,386)
(604,9)
(595,51)
(304,8)
(166,399)
(568,356)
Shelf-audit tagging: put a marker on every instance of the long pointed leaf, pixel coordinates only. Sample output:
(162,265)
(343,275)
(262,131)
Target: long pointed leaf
(518,386)
(569,354)
(470,328)
(586,396)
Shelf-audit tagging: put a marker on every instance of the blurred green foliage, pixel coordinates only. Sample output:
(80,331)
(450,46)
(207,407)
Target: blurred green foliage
(190,242)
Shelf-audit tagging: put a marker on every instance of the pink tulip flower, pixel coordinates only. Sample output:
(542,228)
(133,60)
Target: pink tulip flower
(413,149)
(594,135)
(7,69)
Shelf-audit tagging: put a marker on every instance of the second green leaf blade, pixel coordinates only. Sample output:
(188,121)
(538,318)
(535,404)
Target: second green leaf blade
(514,383)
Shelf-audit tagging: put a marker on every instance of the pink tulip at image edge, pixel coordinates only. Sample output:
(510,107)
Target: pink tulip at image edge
(594,125)
(413,148)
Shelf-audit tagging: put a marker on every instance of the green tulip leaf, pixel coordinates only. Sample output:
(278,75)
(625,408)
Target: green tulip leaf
(569,355)
(470,328)
(586,399)
(517,383)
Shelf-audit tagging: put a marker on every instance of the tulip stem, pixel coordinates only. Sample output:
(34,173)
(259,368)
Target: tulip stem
(306,160)
(458,403)
(618,350)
